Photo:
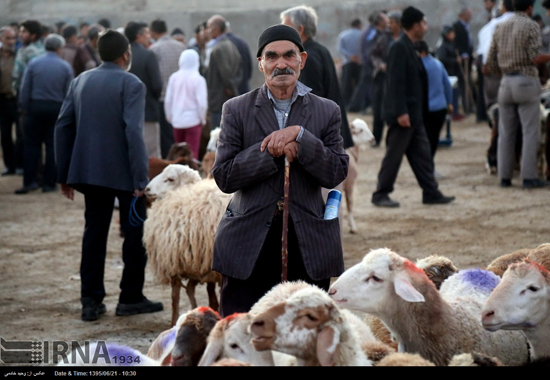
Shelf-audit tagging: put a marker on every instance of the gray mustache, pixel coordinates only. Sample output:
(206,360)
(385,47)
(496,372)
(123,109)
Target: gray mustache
(285,71)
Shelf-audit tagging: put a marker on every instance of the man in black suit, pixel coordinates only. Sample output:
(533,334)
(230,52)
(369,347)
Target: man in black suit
(406,103)
(464,45)
(145,66)
(258,130)
(99,151)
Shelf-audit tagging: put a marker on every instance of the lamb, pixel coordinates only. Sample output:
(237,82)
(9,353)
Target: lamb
(179,238)
(210,155)
(185,342)
(231,339)
(500,264)
(309,326)
(522,302)
(361,134)
(437,268)
(420,318)
(180,153)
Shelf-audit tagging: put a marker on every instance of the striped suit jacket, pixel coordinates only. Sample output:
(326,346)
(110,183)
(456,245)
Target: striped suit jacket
(257,179)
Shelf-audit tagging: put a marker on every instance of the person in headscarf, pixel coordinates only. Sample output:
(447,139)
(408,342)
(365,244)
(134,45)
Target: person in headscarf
(186,101)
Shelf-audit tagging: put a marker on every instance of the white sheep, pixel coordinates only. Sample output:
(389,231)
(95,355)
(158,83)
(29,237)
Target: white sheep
(107,354)
(231,339)
(179,238)
(399,293)
(361,135)
(311,327)
(210,155)
(172,177)
(522,302)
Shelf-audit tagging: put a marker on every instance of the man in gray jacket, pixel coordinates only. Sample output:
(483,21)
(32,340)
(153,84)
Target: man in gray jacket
(100,152)
(224,69)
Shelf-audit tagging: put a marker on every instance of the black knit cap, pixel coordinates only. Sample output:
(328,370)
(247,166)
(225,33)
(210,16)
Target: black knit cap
(411,16)
(112,45)
(278,32)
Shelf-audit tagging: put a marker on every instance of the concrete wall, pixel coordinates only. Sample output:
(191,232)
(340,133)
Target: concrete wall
(247,17)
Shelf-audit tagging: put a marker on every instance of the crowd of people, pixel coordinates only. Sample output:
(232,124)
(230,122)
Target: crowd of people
(102,101)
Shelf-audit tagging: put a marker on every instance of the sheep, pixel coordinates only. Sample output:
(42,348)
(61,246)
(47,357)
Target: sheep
(474,359)
(185,342)
(311,327)
(437,268)
(107,354)
(541,255)
(500,264)
(172,177)
(210,155)
(180,153)
(399,293)
(522,302)
(361,134)
(403,359)
(231,339)
(179,238)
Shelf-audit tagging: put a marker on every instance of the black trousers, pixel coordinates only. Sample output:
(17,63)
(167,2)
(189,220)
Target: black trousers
(99,203)
(39,129)
(433,124)
(238,296)
(166,132)
(377,106)
(362,96)
(8,117)
(351,74)
(413,143)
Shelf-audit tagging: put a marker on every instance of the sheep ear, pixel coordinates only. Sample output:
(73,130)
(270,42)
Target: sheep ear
(162,345)
(213,352)
(327,342)
(405,290)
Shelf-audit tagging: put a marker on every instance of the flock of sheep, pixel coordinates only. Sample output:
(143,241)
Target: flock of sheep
(384,311)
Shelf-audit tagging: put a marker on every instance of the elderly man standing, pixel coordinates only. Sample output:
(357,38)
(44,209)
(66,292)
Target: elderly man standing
(515,52)
(259,129)
(167,51)
(224,68)
(406,106)
(103,155)
(319,73)
(45,84)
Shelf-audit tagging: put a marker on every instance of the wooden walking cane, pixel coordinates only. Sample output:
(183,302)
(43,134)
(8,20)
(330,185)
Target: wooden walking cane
(284,245)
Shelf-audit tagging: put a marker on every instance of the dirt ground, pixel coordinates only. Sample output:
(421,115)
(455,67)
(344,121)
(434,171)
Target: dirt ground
(40,239)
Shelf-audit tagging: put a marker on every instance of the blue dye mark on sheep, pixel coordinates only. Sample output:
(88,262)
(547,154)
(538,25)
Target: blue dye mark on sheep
(168,339)
(480,278)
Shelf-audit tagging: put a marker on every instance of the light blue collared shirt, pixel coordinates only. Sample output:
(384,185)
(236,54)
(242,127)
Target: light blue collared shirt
(282,114)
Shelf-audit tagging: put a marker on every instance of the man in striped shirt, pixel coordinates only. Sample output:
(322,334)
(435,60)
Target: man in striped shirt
(515,53)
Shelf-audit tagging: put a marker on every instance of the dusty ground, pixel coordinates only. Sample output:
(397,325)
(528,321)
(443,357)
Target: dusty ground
(40,237)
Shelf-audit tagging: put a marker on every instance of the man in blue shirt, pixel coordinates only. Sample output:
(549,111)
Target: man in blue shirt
(349,47)
(45,83)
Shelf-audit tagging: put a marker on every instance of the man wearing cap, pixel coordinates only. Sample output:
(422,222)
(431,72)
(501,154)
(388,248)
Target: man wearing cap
(100,151)
(258,130)
(406,105)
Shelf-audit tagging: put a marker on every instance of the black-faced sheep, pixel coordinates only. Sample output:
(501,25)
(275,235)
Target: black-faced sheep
(185,342)
(420,318)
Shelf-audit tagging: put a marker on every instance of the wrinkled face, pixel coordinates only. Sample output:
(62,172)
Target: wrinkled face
(8,40)
(281,63)
(364,286)
(292,327)
(521,300)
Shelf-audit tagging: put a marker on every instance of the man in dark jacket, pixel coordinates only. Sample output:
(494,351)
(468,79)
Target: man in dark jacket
(100,151)
(406,104)
(259,129)
(146,67)
(319,73)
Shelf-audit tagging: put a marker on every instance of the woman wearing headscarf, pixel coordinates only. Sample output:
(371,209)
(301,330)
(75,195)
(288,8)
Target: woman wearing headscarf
(186,101)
